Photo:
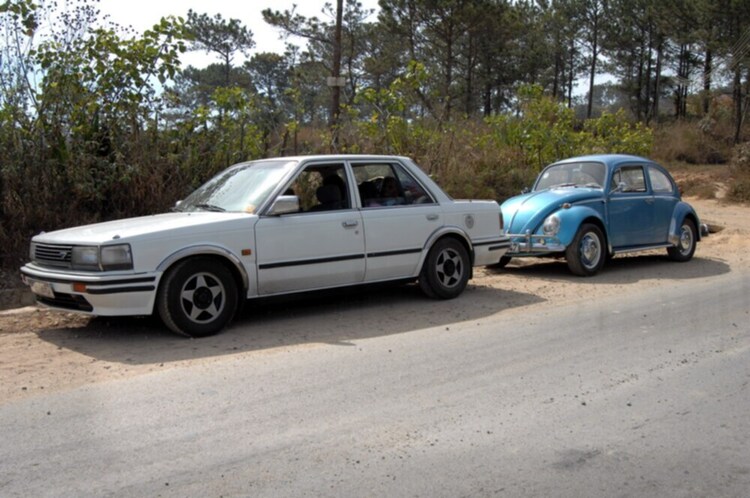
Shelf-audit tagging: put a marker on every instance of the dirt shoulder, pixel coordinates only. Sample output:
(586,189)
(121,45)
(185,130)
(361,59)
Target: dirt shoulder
(42,350)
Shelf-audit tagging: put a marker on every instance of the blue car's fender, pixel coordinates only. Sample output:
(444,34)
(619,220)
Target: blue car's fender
(572,218)
(681,211)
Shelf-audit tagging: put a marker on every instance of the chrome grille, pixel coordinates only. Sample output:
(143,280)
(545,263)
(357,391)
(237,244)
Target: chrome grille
(53,255)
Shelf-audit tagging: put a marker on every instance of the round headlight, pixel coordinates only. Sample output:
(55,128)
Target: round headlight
(551,225)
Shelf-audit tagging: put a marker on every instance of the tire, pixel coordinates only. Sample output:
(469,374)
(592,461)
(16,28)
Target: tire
(504,260)
(587,253)
(197,297)
(685,248)
(446,270)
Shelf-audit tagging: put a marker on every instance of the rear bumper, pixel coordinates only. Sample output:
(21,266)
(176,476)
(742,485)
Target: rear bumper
(106,294)
(489,252)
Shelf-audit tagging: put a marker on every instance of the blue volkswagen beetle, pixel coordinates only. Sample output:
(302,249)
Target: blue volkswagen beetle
(592,207)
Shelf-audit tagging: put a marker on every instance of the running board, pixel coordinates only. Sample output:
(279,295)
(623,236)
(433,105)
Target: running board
(643,248)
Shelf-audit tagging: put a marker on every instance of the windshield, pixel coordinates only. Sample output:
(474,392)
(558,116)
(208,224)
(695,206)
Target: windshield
(241,188)
(571,175)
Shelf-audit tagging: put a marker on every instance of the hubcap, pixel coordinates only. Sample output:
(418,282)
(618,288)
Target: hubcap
(449,268)
(591,250)
(202,297)
(686,239)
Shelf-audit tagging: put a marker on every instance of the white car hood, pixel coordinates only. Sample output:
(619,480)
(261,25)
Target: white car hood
(146,227)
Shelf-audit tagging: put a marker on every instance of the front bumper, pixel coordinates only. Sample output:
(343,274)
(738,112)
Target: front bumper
(528,244)
(105,294)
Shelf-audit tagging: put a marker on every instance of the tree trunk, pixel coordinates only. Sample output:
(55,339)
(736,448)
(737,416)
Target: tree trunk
(644,102)
(707,66)
(657,81)
(594,55)
(571,73)
(737,93)
(448,71)
(336,89)
(470,77)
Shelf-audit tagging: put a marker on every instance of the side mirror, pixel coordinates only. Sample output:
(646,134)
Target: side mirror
(177,204)
(284,204)
(525,190)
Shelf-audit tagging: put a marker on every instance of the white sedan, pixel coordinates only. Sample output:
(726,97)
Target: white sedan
(270,227)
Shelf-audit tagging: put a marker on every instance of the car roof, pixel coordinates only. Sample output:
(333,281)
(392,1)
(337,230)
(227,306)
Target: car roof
(610,160)
(332,157)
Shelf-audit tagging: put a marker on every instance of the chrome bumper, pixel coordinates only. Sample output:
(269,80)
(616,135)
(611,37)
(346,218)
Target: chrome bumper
(704,230)
(529,243)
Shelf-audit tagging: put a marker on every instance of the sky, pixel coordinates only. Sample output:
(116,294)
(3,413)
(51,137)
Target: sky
(143,14)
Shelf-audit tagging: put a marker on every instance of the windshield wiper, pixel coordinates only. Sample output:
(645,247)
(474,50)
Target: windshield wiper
(560,185)
(210,207)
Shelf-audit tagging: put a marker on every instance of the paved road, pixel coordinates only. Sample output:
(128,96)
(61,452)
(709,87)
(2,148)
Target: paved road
(646,396)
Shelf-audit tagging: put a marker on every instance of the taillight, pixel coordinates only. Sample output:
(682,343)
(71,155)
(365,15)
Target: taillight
(501,221)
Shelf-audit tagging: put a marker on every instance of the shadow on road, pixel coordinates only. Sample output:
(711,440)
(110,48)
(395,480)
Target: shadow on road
(339,318)
(624,269)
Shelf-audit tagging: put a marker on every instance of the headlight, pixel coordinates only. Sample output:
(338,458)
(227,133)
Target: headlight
(32,251)
(85,258)
(551,225)
(116,257)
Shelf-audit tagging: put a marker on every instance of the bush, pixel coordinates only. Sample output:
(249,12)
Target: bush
(693,142)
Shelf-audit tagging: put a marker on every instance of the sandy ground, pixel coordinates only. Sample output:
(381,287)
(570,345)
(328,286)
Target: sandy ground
(43,351)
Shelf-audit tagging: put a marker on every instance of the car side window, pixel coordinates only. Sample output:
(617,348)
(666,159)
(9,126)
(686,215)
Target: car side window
(386,184)
(660,183)
(632,177)
(321,187)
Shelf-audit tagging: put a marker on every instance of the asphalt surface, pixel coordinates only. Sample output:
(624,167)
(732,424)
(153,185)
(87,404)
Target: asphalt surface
(640,395)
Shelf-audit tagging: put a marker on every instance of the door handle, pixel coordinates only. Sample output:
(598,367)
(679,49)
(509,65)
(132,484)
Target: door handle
(349,223)
(649,201)
(432,217)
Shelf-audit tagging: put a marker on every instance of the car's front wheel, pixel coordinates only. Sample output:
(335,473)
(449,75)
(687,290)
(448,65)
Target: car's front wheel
(446,270)
(685,248)
(197,297)
(587,253)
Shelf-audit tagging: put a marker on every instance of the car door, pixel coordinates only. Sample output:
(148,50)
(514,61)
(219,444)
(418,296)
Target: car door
(399,216)
(665,200)
(320,246)
(630,208)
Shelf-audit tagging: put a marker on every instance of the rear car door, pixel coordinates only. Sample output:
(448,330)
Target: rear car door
(399,216)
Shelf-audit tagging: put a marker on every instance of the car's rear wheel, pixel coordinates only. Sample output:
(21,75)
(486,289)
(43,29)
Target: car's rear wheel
(197,297)
(685,247)
(587,253)
(446,270)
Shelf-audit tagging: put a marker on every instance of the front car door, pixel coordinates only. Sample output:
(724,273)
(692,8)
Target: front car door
(320,246)
(399,215)
(630,208)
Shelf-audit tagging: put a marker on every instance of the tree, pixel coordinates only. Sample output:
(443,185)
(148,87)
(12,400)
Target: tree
(223,37)
(326,43)
(591,15)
